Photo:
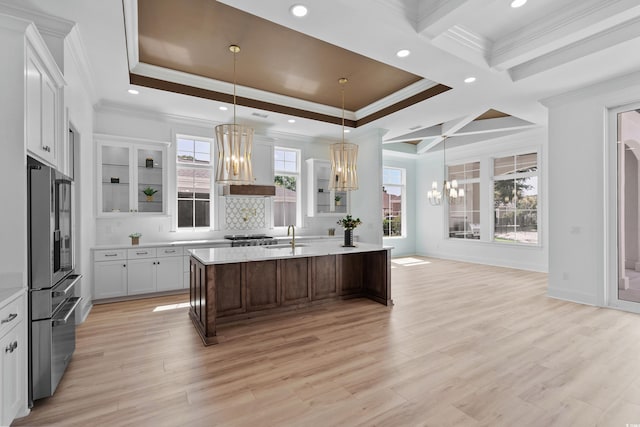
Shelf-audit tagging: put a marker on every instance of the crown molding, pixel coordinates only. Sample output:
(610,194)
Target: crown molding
(104,106)
(38,44)
(130,11)
(394,98)
(78,53)
(46,24)
(469,39)
(568,24)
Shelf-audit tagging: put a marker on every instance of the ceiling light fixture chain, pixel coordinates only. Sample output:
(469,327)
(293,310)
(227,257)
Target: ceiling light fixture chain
(344,158)
(234,143)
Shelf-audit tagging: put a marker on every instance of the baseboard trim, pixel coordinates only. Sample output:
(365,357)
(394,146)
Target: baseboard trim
(479,260)
(572,296)
(86,309)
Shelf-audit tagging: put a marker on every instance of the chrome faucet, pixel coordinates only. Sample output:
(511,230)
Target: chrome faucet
(293,239)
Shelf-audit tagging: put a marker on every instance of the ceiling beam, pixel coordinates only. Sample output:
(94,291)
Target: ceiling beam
(453,126)
(575,21)
(494,125)
(418,134)
(428,144)
(437,16)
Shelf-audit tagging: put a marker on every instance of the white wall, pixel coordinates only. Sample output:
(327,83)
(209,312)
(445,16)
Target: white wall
(405,245)
(582,196)
(431,221)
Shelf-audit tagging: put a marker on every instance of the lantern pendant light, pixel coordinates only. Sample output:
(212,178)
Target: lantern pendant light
(234,144)
(344,159)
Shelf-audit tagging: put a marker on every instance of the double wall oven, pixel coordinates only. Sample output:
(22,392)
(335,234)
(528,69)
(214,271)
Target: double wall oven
(52,282)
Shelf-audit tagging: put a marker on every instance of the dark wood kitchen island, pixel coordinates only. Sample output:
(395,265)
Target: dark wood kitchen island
(228,284)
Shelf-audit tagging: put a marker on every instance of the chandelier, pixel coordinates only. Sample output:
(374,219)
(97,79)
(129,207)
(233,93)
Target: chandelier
(234,144)
(344,157)
(450,190)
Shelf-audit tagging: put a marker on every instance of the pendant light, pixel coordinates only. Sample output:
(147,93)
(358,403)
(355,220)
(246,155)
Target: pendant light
(344,159)
(234,144)
(450,190)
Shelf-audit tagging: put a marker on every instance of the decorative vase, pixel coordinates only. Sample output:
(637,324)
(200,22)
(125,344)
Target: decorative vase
(150,198)
(148,162)
(348,237)
(135,240)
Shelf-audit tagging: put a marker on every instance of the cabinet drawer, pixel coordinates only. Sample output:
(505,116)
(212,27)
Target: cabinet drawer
(110,255)
(141,253)
(169,251)
(11,314)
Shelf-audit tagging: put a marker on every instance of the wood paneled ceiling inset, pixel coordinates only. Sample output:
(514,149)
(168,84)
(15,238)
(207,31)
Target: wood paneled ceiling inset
(491,114)
(193,36)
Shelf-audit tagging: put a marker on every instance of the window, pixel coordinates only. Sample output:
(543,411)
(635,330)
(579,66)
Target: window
(287,180)
(464,212)
(194,172)
(393,202)
(515,199)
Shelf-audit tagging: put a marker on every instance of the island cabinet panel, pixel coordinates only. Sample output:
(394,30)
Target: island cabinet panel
(263,287)
(294,274)
(376,281)
(229,289)
(323,271)
(351,273)
(202,300)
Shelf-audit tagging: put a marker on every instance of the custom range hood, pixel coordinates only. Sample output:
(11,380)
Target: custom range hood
(249,190)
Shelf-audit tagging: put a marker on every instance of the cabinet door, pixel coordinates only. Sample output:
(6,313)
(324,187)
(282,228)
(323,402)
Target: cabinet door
(351,267)
(169,273)
(263,290)
(324,277)
(34,102)
(49,117)
(141,276)
(13,369)
(294,273)
(115,183)
(149,166)
(263,164)
(110,279)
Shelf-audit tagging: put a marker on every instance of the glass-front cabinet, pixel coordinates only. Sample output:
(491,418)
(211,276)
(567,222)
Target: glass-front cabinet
(131,176)
(321,200)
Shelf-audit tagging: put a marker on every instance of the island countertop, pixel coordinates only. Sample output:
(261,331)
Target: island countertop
(210,256)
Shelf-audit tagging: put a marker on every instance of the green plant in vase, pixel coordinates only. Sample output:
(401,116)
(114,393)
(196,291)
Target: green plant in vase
(135,238)
(349,223)
(338,200)
(149,192)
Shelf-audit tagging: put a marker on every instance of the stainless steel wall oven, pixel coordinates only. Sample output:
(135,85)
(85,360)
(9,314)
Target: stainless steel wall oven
(52,300)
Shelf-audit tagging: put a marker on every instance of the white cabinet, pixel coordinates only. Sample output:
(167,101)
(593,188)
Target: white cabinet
(132,176)
(44,104)
(262,156)
(143,270)
(320,200)
(110,273)
(13,358)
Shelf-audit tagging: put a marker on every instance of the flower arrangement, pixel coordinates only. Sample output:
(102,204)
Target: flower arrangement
(349,223)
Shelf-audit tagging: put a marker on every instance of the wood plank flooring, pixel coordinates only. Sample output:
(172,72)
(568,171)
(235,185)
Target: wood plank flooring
(464,345)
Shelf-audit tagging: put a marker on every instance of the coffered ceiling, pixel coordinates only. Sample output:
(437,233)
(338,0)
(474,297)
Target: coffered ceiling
(518,57)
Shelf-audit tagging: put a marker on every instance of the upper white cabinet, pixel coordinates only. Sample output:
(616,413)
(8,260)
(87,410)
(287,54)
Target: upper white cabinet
(132,176)
(44,103)
(322,201)
(262,156)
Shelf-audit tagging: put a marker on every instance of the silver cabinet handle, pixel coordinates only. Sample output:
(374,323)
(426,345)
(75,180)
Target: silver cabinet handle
(10,318)
(110,254)
(173,251)
(141,253)
(11,347)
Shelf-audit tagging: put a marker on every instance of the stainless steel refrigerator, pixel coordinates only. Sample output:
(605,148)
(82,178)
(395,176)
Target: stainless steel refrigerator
(52,300)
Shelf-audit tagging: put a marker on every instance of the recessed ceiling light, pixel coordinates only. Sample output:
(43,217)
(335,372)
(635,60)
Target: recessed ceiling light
(347,130)
(518,3)
(223,108)
(403,53)
(470,79)
(298,10)
(291,121)
(133,91)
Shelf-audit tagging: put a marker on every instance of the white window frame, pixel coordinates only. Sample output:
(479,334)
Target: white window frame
(539,210)
(403,198)
(462,182)
(299,186)
(212,195)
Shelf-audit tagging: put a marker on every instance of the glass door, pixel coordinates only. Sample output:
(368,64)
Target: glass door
(115,179)
(149,172)
(628,162)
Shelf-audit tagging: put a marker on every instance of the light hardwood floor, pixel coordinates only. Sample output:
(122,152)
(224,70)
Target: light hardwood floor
(465,345)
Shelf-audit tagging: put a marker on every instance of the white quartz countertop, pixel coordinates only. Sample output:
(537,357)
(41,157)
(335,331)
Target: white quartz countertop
(9,294)
(204,242)
(210,256)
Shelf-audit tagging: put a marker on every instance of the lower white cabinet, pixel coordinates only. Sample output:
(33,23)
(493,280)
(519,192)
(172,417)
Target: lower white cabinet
(122,272)
(13,358)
